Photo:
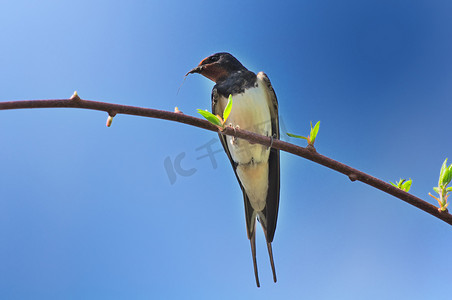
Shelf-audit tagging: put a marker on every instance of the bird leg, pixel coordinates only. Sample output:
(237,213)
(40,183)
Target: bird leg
(271,143)
(234,138)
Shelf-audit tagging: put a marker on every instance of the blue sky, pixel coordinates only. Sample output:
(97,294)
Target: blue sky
(89,212)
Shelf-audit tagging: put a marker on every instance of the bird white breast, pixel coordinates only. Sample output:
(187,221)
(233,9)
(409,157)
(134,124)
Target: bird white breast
(250,111)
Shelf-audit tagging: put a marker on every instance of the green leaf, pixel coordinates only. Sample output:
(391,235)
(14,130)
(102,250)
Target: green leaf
(403,184)
(296,136)
(442,172)
(210,117)
(447,175)
(227,109)
(314,131)
(407,185)
(436,189)
(400,183)
(449,189)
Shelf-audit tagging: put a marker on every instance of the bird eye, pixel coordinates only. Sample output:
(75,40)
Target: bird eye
(213,58)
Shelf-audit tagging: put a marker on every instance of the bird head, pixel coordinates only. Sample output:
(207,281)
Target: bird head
(217,66)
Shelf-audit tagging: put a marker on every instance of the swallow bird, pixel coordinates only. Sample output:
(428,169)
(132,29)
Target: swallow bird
(256,167)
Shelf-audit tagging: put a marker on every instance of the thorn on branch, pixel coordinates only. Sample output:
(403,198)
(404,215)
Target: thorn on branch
(75,97)
(111,115)
(353,177)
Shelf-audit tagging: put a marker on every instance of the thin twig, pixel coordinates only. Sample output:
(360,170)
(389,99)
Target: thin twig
(307,153)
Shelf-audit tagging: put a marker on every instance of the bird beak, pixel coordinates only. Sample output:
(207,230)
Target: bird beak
(198,69)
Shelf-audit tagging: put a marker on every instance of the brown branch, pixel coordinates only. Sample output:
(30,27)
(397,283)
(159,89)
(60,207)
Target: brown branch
(308,153)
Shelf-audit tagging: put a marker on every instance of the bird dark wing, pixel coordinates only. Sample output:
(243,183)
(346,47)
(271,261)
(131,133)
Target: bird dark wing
(272,202)
(250,219)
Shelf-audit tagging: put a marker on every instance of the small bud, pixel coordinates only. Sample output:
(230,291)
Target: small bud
(445,177)
(75,97)
(109,121)
(177,111)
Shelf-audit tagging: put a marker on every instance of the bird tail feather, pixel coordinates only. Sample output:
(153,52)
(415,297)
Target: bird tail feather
(253,253)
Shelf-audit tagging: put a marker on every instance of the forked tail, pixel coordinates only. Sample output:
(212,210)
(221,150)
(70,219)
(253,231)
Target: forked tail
(270,254)
(253,252)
